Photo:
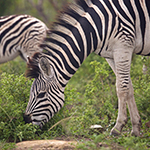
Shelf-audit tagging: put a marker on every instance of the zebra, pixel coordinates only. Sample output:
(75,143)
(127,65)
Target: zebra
(20,35)
(113,29)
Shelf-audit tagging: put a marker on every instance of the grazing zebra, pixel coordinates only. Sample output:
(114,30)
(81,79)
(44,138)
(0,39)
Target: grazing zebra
(20,35)
(113,29)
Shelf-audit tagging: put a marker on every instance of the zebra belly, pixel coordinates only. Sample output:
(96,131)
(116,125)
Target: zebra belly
(142,40)
(143,48)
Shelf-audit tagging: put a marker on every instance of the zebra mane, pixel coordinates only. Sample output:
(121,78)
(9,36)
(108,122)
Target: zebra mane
(72,9)
(33,69)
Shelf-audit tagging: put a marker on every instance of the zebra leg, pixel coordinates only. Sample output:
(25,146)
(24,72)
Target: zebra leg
(134,115)
(122,113)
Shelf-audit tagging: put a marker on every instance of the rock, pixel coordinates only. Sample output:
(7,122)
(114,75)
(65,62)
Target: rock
(46,145)
(96,128)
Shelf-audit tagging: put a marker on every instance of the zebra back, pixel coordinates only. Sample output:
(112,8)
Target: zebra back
(20,35)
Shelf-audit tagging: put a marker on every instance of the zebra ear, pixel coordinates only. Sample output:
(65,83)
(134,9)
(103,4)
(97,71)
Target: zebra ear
(45,66)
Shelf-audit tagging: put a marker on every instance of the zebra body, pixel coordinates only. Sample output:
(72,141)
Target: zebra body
(113,29)
(20,35)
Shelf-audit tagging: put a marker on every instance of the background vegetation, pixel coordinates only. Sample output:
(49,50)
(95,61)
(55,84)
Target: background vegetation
(90,96)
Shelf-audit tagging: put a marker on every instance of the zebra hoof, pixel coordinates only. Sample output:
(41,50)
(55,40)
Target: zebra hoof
(135,133)
(115,132)
(136,129)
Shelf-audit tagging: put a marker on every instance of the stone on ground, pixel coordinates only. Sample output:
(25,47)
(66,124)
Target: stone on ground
(46,145)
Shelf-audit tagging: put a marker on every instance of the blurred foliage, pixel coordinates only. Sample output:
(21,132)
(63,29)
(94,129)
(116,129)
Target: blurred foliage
(8,7)
(44,10)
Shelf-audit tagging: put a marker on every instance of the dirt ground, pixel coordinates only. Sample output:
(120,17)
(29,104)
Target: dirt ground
(46,145)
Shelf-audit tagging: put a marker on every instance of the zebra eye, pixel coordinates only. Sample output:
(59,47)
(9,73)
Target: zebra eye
(41,95)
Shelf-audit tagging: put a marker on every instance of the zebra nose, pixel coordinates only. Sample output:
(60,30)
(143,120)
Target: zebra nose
(27,118)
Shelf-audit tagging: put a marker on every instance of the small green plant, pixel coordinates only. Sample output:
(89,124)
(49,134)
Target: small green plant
(6,146)
(14,94)
(16,66)
(141,85)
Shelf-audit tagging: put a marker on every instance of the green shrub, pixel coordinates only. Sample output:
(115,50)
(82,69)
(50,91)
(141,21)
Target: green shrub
(6,146)
(16,66)
(141,85)
(14,95)
(98,105)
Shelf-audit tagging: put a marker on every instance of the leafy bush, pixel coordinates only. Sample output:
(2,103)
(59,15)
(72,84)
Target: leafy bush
(17,66)
(14,94)
(88,109)
(141,85)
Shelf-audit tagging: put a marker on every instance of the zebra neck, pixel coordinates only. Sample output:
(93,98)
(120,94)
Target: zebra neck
(68,53)
(65,64)
(80,30)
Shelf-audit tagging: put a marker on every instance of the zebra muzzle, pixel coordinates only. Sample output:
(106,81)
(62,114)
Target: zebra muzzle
(27,118)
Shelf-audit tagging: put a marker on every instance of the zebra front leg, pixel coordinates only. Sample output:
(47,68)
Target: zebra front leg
(134,115)
(122,113)
(122,61)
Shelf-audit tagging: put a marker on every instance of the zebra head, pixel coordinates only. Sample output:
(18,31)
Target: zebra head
(46,96)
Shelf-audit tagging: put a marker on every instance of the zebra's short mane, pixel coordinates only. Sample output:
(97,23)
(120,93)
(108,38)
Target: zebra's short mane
(32,65)
(69,9)
(33,69)
(3,17)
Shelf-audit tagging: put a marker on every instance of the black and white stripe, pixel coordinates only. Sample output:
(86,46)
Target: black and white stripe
(20,35)
(113,29)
